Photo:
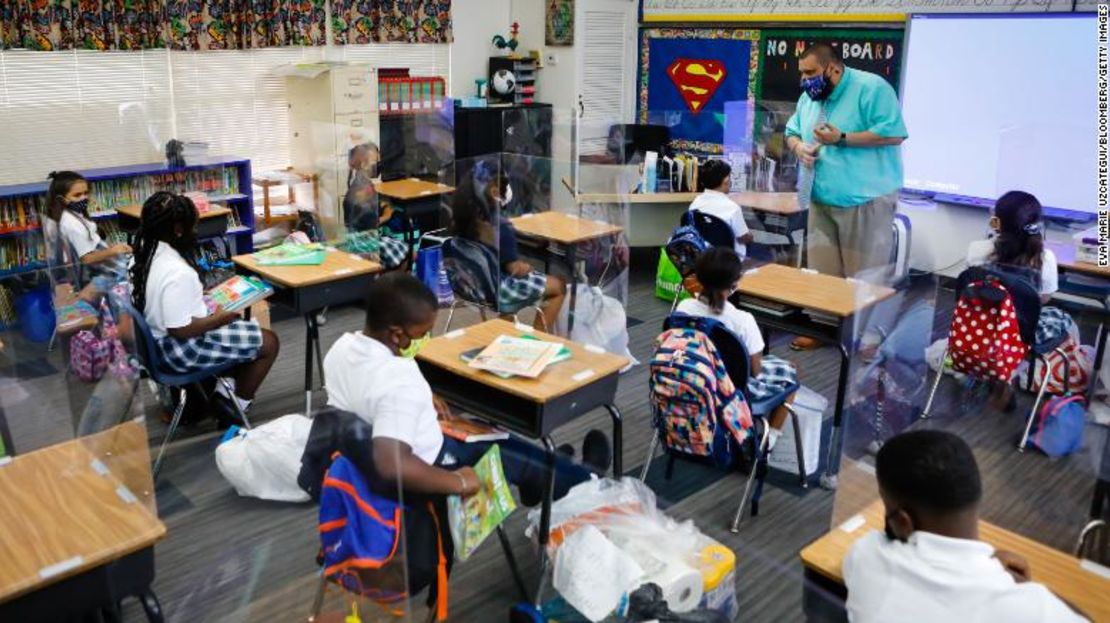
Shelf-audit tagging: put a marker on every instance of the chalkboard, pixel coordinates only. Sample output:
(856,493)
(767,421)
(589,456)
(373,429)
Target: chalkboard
(726,10)
(874,50)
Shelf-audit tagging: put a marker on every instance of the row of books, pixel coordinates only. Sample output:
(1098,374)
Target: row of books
(18,253)
(105,197)
(20,213)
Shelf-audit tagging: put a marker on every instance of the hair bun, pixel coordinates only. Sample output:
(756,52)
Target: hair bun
(51,175)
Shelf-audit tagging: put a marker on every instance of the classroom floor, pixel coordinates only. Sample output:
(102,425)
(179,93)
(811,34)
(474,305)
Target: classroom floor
(238,560)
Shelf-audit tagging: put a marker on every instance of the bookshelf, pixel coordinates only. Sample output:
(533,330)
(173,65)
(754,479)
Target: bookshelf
(227,181)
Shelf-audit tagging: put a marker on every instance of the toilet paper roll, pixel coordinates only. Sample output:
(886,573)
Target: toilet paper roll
(305,198)
(682,586)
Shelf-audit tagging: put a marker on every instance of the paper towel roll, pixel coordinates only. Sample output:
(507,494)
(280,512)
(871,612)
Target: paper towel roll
(682,585)
(306,200)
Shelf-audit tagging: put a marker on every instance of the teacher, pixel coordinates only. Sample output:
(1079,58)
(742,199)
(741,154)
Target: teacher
(847,131)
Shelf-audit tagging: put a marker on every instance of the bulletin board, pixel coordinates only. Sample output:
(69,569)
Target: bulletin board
(687,78)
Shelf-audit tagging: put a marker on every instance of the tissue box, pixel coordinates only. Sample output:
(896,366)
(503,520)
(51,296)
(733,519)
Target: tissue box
(718,572)
(811,408)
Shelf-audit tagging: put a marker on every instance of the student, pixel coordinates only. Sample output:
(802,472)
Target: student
(372,374)
(1018,243)
(67,205)
(167,290)
(718,270)
(930,565)
(474,211)
(716,176)
(360,204)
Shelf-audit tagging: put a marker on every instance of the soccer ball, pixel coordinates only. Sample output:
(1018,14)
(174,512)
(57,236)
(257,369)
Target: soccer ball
(504,82)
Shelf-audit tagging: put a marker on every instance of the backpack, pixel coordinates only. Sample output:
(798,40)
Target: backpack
(471,268)
(697,408)
(984,340)
(1058,428)
(361,531)
(685,245)
(89,355)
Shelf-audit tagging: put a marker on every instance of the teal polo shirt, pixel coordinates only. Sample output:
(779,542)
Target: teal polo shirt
(848,176)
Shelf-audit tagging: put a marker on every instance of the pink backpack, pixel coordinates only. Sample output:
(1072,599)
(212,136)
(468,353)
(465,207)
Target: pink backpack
(90,354)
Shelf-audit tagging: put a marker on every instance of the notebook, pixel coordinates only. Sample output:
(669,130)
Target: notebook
(469,431)
(237,293)
(311,254)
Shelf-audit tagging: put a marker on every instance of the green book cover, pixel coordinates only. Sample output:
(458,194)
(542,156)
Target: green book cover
(476,517)
(292,255)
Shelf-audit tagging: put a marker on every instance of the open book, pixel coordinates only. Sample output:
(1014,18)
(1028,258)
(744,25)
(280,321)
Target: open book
(474,518)
(516,356)
(286,254)
(468,356)
(238,293)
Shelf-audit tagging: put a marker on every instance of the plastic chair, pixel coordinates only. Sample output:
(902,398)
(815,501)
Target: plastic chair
(738,365)
(1027,306)
(473,271)
(151,359)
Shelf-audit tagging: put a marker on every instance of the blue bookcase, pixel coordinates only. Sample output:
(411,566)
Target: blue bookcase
(226,181)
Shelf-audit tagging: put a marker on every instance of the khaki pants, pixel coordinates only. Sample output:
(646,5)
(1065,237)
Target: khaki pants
(853,242)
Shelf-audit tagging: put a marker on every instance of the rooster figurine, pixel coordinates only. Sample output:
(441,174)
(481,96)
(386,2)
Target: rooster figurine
(511,43)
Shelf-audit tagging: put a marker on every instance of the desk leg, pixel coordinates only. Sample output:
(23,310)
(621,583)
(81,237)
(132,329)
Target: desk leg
(618,441)
(545,519)
(311,338)
(1100,351)
(836,437)
(572,259)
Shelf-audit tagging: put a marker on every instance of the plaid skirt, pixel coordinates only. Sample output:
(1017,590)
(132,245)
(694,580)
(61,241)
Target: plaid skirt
(1053,323)
(237,342)
(775,375)
(516,293)
(392,252)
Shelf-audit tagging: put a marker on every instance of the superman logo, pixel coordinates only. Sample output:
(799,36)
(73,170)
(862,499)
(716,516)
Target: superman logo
(696,80)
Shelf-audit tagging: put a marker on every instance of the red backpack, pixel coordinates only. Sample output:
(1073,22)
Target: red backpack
(984,339)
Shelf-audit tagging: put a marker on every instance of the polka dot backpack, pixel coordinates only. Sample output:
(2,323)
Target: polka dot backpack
(984,339)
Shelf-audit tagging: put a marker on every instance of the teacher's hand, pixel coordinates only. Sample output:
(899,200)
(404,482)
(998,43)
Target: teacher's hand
(806,153)
(826,134)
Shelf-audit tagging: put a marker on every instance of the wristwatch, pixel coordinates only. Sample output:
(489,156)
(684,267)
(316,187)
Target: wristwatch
(843,140)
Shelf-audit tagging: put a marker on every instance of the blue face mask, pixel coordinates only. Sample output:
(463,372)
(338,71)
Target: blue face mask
(818,87)
(81,206)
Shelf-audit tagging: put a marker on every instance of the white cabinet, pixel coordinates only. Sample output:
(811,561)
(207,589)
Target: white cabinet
(329,114)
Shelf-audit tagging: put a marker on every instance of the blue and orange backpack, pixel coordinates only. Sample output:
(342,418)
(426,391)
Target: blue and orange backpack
(361,533)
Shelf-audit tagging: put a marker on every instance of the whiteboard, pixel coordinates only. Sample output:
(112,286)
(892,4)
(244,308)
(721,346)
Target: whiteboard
(725,10)
(1019,113)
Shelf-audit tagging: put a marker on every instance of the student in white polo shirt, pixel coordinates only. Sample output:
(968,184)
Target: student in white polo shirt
(930,565)
(715,176)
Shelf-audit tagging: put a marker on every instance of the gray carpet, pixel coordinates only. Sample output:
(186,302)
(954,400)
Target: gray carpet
(228,558)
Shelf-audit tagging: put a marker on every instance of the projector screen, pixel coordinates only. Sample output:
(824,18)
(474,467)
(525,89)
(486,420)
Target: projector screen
(996,103)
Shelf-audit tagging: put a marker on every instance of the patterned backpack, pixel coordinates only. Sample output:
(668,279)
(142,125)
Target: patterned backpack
(984,339)
(697,409)
(685,245)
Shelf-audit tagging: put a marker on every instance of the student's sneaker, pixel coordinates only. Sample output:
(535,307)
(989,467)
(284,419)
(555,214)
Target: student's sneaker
(597,452)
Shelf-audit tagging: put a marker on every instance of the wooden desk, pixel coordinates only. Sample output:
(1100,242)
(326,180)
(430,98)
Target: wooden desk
(1066,262)
(567,231)
(342,277)
(531,407)
(211,224)
(819,306)
(63,521)
(411,189)
(1058,571)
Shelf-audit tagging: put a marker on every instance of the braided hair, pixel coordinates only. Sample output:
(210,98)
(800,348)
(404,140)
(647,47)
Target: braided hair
(167,218)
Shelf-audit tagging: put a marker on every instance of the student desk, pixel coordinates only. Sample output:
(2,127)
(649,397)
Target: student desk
(341,278)
(566,231)
(1071,579)
(211,224)
(74,538)
(819,306)
(533,408)
(417,198)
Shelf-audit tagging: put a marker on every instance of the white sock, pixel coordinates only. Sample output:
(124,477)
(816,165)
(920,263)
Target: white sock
(773,435)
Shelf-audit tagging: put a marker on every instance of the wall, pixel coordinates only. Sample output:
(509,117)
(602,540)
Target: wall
(558,82)
(475,24)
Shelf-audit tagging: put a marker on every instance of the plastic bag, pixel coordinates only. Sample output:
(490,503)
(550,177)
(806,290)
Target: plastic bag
(668,281)
(599,320)
(264,462)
